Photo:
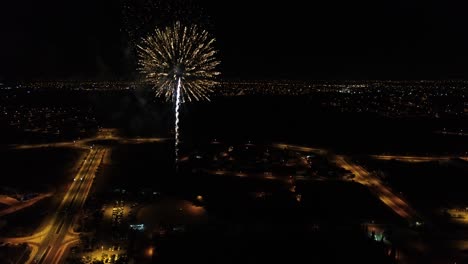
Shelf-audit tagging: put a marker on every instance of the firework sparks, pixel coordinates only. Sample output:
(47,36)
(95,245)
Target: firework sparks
(142,16)
(179,52)
(180,63)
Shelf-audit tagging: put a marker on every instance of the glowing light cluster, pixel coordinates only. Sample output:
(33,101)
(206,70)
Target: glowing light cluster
(179,52)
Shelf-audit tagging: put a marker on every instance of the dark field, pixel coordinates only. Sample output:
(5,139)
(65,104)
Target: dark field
(251,219)
(147,165)
(37,170)
(150,166)
(245,227)
(13,253)
(26,221)
(271,245)
(428,185)
(293,119)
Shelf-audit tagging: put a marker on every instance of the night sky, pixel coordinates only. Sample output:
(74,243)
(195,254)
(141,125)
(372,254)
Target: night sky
(388,39)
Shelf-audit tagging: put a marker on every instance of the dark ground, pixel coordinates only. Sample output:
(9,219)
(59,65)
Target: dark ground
(292,119)
(13,253)
(248,229)
(330,205)
(37,170)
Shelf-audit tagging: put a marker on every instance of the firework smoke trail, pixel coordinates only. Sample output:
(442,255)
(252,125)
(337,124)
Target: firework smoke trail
(179,62)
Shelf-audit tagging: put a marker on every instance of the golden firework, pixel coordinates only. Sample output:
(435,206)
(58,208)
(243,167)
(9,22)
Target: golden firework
(179,55)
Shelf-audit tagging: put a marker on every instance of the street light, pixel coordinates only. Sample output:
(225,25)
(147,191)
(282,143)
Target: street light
(200,198)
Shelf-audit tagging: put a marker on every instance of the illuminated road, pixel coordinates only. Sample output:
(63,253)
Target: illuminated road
(299,148)
(55,235)
(267,176)
(49,244)
(7,200)
(406,158)
(416,158)
(412,246)
(104,134)
(21,205)
(53,247)
(392,200)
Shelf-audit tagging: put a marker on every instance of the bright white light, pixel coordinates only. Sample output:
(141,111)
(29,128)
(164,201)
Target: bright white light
(177,108)
(138,227)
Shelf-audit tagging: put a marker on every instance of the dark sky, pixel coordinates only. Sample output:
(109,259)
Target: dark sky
(385,39)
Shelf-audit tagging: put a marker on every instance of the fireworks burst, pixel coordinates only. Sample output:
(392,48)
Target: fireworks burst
(179,52)
(179,61)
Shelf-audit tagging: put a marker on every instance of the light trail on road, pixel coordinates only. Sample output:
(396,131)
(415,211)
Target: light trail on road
(72,202)
(396,203)
(49,244)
